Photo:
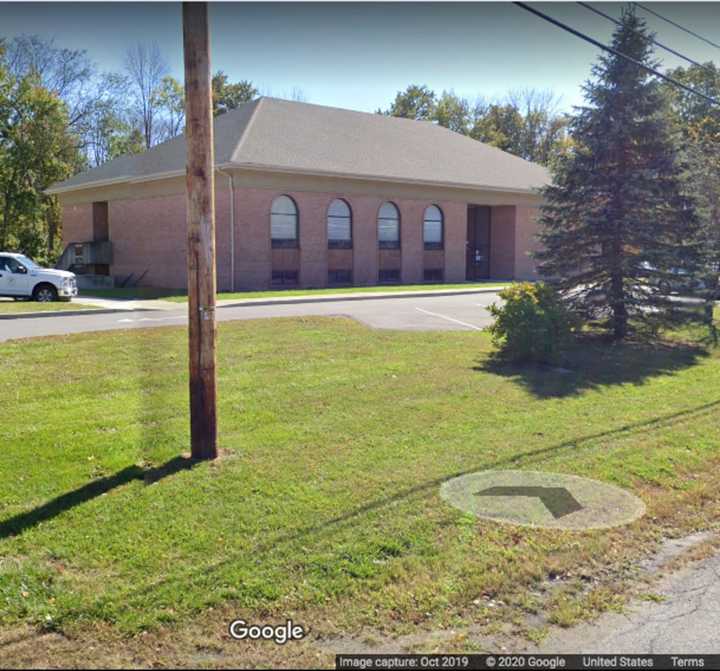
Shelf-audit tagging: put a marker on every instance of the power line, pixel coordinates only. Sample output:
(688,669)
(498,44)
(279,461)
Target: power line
(677,25)
(654,41)
(617,53)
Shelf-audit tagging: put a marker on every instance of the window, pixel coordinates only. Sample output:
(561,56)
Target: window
(433,275)
(340,277)
(284,222)
(389,277)
(339,225)
(433,228)
(11,265)
(388,227)
(284,278)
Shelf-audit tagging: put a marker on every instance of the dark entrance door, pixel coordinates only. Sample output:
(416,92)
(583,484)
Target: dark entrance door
(478,243)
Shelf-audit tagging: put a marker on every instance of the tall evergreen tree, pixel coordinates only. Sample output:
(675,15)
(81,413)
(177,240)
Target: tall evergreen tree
(618,219)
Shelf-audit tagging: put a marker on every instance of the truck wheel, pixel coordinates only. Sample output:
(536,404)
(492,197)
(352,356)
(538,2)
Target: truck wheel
(45,293)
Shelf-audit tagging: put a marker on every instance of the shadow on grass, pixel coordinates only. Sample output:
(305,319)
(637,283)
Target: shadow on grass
(609,369)
(522,459)
(19,523)
(154,378)
(593,363)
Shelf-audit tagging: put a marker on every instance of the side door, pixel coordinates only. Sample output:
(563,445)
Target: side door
(17,278)
(7,283)
(478,243)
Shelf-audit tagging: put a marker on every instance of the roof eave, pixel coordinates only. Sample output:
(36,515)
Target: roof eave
(126,179)
(259,167)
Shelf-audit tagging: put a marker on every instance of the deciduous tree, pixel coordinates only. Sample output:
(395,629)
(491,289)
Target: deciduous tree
(525,123)
(170,98)
(36,149)
(452,112)
(227,96)
(698,122)
(415,102)
(146,69)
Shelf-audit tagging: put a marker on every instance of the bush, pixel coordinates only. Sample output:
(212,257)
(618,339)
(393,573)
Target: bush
(532,324)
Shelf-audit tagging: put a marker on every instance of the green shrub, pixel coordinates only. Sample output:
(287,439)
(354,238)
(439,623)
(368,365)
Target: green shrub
(532,324)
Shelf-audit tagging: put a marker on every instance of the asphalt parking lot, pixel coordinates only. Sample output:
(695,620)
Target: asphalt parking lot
(447,312)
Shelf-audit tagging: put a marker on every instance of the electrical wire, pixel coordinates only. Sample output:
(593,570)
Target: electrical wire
(677,25)
(615,52)
(654,41)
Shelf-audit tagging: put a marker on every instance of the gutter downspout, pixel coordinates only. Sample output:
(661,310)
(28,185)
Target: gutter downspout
(231,183)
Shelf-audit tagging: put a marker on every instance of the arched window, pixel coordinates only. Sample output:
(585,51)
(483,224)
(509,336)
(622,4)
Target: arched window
(388,227)
(433,228)
(339,225)
(284,222)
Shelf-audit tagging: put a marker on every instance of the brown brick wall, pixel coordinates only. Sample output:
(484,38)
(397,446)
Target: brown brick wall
(526,230)
(455,216)
(502,242)
(365,245)
(434,259)
(149,234)
(313,238)
(77,221)
(253,264)
(340,259)
(411,239)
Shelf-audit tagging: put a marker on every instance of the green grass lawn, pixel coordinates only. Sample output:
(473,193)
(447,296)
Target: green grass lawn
(179,297)
(10,306)
(336,439)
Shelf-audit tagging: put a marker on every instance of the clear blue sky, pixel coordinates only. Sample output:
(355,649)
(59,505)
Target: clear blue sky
(358,55)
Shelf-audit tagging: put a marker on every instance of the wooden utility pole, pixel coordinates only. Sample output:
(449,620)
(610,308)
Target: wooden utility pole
(201,230)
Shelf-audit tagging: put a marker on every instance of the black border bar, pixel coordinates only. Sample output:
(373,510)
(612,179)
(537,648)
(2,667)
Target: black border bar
(504,661)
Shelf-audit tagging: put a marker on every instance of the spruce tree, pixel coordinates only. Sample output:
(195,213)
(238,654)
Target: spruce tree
(618,218)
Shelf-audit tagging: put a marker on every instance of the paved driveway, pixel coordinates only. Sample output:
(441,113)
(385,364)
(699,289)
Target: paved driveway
(463,312)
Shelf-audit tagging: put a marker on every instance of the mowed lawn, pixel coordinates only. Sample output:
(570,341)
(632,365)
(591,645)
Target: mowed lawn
(335,440)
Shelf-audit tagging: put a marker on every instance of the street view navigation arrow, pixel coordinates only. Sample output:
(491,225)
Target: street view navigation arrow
(558,500)
(542,500)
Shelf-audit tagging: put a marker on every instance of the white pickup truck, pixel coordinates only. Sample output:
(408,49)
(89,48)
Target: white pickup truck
(21,277)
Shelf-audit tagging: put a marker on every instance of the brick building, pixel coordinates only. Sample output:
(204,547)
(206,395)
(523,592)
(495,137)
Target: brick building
(312,196)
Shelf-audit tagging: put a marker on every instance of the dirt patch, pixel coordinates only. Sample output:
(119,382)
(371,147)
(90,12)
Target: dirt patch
(488,624)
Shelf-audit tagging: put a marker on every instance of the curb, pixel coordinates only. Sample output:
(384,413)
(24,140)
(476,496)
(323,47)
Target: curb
(70,313)
(260,302)
(250,302)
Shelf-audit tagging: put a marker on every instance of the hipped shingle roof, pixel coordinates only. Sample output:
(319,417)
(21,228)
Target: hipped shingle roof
(294,137)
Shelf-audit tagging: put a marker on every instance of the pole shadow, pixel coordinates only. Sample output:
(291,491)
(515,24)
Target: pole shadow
(156,360)
(319,529)
(57,506)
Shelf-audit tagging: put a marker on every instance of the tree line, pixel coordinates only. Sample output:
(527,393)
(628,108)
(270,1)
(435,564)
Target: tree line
(59,115)
(526,123)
